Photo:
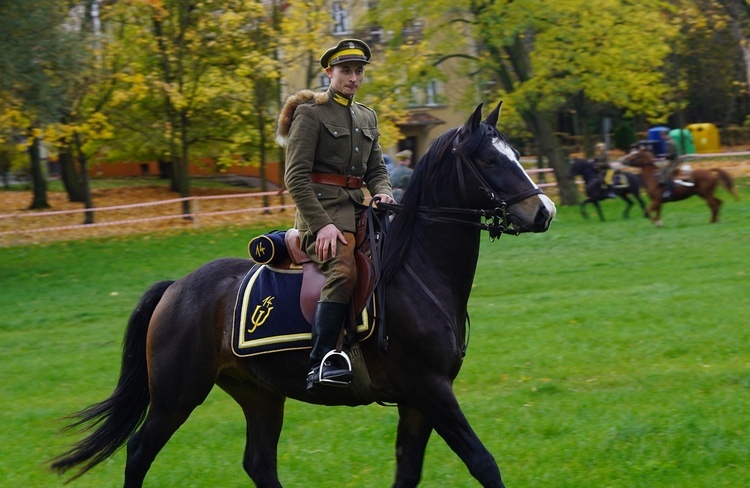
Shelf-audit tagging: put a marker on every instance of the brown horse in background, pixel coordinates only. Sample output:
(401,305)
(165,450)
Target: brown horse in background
(705,184)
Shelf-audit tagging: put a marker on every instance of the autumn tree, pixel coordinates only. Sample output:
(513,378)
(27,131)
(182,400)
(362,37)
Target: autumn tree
(712,58)
(738,12)
(39,59)
(542,56)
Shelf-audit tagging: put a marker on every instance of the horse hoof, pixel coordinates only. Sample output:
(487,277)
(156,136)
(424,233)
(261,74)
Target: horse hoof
(658,223)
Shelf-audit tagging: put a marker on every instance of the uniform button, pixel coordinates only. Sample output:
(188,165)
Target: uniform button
(320,194)
(356,130)
(353,167)
(356,149)
(335,133)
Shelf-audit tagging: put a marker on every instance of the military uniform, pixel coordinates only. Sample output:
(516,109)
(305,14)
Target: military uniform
(333,152)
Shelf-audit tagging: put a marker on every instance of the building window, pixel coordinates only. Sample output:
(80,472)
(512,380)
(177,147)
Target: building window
(430,92)
(341,19)
(426,95)
(325,81)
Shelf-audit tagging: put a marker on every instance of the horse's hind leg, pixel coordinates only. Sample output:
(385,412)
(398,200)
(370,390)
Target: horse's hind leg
(144,445)
(715,205)
(413,433)
(181,370)
(264,415)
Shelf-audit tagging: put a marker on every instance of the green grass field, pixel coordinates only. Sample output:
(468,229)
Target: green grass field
(607,354)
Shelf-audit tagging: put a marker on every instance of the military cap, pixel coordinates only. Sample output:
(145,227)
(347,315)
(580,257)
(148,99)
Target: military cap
(345,51)
(405,154)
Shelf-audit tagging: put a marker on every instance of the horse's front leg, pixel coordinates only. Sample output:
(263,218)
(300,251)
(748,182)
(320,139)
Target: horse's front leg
(583,209)
(599,212)
(411,441)
(440,407)
(654,213)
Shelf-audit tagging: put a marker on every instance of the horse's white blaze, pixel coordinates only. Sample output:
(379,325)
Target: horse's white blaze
(505,149)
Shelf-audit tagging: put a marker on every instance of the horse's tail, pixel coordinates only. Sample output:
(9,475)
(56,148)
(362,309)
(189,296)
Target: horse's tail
(726,180)
(117,417)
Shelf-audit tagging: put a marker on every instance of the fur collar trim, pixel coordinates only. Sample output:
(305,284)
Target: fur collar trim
(284,122)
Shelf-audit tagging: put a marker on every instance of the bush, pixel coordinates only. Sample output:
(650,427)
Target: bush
(624,136)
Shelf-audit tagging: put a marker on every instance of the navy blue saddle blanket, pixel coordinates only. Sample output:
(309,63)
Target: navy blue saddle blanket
(268,317)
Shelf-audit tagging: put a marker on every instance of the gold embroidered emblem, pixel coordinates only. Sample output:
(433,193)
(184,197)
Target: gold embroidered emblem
(260,249)
(261,313)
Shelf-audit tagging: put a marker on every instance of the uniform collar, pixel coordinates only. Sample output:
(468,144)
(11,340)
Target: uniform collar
(341,99)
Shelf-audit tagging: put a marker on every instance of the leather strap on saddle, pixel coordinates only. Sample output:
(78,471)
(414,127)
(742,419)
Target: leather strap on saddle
(345,181)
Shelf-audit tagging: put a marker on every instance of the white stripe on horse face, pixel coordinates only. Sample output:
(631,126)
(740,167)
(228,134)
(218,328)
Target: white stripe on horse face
(505,149)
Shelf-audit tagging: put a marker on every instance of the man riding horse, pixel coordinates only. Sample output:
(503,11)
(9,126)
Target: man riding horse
(666,175)
(333,151)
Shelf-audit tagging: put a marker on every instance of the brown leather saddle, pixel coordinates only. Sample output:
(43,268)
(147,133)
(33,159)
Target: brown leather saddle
(294,257)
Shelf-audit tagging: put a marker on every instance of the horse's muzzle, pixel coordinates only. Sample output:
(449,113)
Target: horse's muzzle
(534,214)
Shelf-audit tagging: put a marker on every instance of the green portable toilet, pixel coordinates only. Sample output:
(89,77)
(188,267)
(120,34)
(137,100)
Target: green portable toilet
(705,137)
(685,146)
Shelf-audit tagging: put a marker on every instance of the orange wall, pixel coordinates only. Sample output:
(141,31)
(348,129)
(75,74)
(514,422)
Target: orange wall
(124,169)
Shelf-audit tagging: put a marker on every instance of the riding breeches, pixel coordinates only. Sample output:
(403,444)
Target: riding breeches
(668,171)
(340,271)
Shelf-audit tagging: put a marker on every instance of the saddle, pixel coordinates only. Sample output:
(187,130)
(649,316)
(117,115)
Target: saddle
(684,175)
(282,250)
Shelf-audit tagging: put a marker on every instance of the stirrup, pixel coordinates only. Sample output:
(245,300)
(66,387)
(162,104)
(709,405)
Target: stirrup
(334,381)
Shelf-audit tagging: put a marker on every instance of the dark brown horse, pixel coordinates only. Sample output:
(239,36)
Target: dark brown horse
(177,345)
(595,192)
(705,182)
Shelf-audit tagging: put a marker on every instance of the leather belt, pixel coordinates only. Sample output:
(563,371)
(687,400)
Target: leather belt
(347,181)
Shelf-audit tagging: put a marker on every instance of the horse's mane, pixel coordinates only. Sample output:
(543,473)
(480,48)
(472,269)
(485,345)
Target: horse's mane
(430,186)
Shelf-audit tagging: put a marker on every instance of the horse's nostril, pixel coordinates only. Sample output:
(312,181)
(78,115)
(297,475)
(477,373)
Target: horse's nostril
(543,218)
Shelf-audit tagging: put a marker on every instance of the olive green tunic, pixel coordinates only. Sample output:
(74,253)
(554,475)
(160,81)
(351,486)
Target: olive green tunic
(328,136)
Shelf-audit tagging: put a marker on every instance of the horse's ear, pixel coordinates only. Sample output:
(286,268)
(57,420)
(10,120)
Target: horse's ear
(494,116)
(473,122)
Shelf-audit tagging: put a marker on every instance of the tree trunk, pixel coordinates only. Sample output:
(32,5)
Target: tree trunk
(69,177)
(263,176)
(183,180)
(5,168)
(85,189)
(38,177)
(540,125)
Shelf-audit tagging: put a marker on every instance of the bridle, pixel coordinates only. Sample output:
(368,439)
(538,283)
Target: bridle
(495,219)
